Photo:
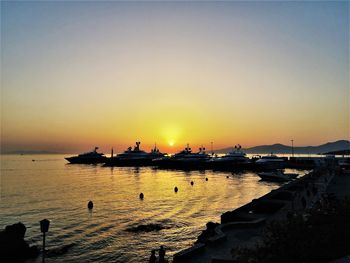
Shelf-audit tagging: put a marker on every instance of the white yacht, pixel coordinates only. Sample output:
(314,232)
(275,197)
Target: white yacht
(134,157)
(271,161)
(236,155)
(187,156)
(184,159)
(92,157)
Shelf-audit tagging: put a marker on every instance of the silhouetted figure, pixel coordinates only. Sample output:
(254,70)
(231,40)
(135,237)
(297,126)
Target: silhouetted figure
(153,257)
(176,189)
(90,205)
(141,196)
(161,254)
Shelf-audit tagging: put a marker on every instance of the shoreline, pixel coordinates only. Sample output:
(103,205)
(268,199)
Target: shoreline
(244,225)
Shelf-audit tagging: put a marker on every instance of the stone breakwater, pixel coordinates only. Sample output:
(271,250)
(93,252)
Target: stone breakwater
(243,226)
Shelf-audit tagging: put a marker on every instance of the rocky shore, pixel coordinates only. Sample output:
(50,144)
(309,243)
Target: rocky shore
(244,227)
(13,247)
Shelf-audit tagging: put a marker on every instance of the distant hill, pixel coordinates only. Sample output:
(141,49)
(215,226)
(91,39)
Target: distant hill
(30,152)
(340,145)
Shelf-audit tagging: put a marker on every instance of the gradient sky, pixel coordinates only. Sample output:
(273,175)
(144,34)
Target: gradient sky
(80,74)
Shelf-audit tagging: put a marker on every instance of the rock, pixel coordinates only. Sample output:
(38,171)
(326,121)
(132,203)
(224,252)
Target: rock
(13,247)
(209,232)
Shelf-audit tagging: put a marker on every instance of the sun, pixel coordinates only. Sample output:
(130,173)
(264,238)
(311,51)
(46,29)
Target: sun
(171,143)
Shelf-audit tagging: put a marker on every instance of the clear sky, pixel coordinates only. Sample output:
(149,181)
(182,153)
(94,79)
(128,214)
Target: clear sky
(80,74)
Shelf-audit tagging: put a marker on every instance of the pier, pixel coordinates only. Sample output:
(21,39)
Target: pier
(243,227)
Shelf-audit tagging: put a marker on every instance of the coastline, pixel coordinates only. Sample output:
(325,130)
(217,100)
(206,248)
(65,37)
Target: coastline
(243,227)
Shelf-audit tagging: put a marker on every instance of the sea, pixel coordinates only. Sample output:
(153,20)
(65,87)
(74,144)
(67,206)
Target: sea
(34,187)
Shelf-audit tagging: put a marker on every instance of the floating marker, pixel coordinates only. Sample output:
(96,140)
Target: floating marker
(90,205)
(227,176)
(206,179)
(192,182)
(176,189)
(141,196)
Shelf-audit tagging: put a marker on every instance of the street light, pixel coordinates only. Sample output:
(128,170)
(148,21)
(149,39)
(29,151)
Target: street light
(292,148)
(44,227)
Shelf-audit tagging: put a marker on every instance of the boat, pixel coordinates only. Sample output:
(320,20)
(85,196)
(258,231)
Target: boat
(235,158)
(92,157)
(271,161)
(134,157)
(277,176)
(184,159)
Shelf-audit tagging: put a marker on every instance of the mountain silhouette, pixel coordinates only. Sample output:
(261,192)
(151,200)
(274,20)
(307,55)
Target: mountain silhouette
(340,145)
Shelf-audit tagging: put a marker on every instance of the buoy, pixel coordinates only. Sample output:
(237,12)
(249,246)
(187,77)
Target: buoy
(90,205)
(206,179)
(192,182)
(176,189)
(227,176)
(141,196)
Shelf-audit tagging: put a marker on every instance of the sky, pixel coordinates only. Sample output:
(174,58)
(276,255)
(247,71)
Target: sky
(75,75)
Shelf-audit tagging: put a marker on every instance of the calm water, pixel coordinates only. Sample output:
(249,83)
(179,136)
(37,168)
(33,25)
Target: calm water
(51,188)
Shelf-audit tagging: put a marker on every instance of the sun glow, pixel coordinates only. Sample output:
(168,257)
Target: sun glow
(171,143)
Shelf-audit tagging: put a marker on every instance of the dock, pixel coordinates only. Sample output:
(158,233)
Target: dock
(244,225)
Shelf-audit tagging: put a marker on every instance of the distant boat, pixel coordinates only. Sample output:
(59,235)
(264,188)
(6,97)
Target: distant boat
(92,157)
(277,176)
(134,157)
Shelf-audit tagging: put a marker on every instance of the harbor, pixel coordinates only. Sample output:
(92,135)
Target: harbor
(121,227)
(177,203)
(174,131)
(234,160)
(244,227)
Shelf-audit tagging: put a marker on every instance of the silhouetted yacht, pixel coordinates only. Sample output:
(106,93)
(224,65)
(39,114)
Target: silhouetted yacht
(271,161)
(235,158)
(134,157)
(92,157)
(184,159)
(278,176)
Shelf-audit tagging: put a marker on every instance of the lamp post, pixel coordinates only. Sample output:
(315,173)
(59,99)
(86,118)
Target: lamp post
(292,147)
(44,227)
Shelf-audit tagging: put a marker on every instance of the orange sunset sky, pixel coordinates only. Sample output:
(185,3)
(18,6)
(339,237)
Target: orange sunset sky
(81,74)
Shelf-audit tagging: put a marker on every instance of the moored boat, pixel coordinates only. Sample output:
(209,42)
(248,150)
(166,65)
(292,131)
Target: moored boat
(271,161)
(184,159)
(277,176)
(92,157)
(234,159)
(134,157)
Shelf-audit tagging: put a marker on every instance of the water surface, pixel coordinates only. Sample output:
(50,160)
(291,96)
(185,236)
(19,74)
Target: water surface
(51,188)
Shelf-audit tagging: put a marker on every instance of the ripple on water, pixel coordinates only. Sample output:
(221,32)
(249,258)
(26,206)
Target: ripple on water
(60,192)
